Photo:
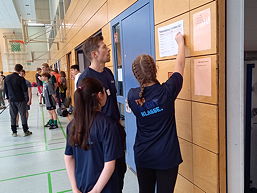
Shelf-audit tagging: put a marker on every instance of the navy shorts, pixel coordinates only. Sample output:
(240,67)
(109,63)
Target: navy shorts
(51,108)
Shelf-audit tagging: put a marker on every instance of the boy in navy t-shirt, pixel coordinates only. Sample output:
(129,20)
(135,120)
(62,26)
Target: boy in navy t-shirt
(98,54)
(50,100)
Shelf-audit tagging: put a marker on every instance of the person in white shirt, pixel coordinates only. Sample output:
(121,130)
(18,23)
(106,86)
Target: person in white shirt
(75,74)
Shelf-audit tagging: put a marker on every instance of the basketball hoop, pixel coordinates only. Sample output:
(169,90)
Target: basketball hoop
(17,41)
(16,45)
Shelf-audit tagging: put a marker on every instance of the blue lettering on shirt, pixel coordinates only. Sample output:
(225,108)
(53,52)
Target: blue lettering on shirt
(151,111)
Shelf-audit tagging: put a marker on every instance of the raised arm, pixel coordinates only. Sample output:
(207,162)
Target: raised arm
(180,61)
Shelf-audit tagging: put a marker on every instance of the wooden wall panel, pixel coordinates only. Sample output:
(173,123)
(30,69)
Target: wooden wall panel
(70,17)
(198,190)
(205,126)
(30,76)
(166,66)
(185,18)
(213,99)
(183,185)
(106,31)
(197,3)
(89,11)
(186,168)
(183,110)
(205,166)
(96,23)
(222,95)
(73,57)
(1,63)
(115,7)
(166,9)
(213,49)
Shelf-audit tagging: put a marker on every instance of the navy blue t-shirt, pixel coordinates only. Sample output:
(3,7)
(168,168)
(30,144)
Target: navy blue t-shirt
(156,145)
(105,146)
(107,79)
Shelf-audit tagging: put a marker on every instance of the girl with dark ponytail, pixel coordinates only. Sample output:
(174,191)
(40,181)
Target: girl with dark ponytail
(156,148)
(93,142)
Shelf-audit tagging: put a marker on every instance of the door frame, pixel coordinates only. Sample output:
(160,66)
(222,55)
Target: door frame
(235,91)
(118,20)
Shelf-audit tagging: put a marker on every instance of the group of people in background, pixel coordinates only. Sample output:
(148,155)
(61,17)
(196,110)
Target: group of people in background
(51,86)
(95,148)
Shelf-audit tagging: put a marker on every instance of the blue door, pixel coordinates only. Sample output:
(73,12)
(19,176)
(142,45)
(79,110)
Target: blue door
(133,35)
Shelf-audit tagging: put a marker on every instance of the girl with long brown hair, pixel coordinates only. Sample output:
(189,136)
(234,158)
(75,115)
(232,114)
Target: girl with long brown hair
(93,142)
(156,149)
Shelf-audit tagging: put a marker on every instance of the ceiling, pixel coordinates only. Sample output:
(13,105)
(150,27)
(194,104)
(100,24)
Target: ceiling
(12,11)
(8,15)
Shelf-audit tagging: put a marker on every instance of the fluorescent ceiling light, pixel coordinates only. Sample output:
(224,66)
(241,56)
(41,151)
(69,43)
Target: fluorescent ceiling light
(36,24)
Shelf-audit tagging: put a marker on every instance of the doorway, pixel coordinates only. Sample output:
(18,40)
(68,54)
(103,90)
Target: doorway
(132,35)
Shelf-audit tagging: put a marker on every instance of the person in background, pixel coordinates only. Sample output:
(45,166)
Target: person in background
(93,143)
(39,84)
(2,95)
(45,68)
(15,87)
(28,94)
(98,54)
(57,75)
(50,101)
(156,149)
(63,86)
(3,76)
(75,73)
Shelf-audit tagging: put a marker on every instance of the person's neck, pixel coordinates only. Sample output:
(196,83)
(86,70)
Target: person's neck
(149,84)
(99,67)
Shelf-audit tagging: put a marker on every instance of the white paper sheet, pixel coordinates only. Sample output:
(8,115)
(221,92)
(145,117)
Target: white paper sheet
(202,76)
(120,78)
(166,34)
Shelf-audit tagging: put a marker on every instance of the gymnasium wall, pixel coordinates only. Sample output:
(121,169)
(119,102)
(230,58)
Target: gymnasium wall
(200,118)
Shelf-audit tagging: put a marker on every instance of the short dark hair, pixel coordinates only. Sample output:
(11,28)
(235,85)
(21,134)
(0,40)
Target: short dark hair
(38,69)
(1,72)
(75,67)
(56,70)
(18,67)
(45,65)
(63,74)
(23,71)
(91,44)
(46,74)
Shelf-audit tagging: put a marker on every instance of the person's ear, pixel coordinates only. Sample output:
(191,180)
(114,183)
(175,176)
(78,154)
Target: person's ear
(93,54)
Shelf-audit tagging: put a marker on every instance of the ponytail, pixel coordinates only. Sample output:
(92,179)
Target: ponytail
(86,107)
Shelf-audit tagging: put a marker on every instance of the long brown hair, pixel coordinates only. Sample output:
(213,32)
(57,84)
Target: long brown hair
(145,70)
(86,106)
